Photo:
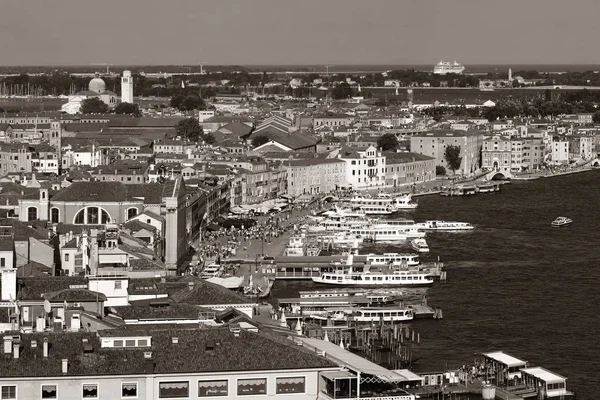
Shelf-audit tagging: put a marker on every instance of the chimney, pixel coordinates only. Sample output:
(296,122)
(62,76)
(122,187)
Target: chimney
(34,344)
(16,350)
(175,340)
(148,362)
(190,286)
(7,344)
(45,347)
(65,365)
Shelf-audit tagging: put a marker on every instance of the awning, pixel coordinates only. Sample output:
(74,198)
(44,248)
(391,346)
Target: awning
(350,360)
(333,375)
(212,227)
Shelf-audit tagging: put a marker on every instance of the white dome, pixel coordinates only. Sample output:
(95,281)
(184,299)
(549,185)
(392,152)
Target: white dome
(97,85)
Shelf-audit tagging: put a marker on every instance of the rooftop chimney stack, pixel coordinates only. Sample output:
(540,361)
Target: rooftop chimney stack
(191,286)
(65,365)
(45,347)
(16,350)
(7,344)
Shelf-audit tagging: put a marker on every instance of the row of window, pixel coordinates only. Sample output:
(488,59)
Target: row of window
(88,215)
(177,389)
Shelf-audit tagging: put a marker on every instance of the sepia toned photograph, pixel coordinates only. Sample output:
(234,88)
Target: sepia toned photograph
(299,200)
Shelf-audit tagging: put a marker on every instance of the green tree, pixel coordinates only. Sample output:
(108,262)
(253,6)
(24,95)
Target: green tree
(93,105)
(452,157)
(387,142)
(342,91)
(596,117)
(189,129)
(209,138)
(260,140)
(128,108)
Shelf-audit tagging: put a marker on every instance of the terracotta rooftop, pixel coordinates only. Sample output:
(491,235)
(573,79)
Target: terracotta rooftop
(197,350)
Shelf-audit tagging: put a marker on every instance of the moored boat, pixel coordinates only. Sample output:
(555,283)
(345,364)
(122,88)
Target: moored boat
(420,245)
(377,278)
(445,226)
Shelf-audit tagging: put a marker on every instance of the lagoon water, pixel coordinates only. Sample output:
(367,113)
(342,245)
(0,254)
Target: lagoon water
(514,283)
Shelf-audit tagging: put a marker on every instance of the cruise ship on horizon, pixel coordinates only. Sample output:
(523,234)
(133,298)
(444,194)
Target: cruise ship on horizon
(447,67)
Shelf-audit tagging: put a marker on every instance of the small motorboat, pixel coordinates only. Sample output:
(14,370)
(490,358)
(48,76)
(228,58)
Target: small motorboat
(561,221)
(420,245)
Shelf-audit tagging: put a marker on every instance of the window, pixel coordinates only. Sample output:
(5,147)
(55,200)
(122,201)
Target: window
(247,387)
(31,214)
(117,284)
(54,215)
(90,391)
(132,212)
(8,392)
(171,390)
(212,388)
(129,390)
(66,257)
(49,392)
(290,385)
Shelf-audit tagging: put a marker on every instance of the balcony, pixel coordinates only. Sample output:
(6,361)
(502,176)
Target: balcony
(403,396)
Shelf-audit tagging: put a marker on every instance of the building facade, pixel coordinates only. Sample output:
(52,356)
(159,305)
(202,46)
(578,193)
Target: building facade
(314,175)
(408,168)
(434,144)
(365,167)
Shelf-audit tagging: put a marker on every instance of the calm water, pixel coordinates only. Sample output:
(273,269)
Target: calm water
(514,283)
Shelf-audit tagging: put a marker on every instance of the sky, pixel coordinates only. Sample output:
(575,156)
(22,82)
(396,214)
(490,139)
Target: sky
(298,32)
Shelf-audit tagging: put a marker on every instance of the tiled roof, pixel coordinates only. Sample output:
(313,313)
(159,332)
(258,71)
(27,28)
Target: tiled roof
(236,128)
(313,161)
(197,350)
(294,141)
(136,225)
(393,157)
(203,293)
(110,192)
(144,122)
(34,288)
(166,310)
(93,192)
(74,295)
(26,230)
(154,215)
(33,268)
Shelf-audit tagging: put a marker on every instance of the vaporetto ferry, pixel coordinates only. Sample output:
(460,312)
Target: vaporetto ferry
(444,226)
(386,201)
(368,278)
(380,233)
(394,259)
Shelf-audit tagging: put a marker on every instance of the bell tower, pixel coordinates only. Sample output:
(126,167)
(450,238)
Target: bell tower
(127,87)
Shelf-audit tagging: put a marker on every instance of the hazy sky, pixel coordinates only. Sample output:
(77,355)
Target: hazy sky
(57,32)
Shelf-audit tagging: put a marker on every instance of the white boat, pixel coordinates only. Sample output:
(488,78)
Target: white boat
(445,226)
(395,259)
(385,314)
(420,245)
(561,221)
(211,271)
(378,210)
(446,67)
(368,278)
(380,233)
(385,201)
(343,239)
(409,227)
(368,314)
